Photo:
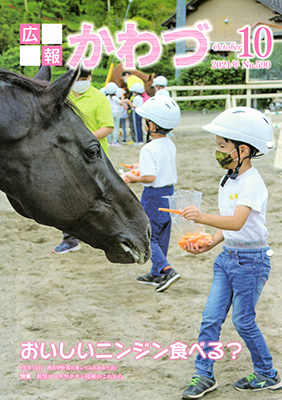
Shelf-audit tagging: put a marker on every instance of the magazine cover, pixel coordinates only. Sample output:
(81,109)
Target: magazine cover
(140,176)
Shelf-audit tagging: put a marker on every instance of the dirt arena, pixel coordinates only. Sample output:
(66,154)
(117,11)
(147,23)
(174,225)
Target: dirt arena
(81,297)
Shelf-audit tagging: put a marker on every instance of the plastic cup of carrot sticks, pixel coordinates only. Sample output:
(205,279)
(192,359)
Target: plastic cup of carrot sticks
(197,238)
(186,231)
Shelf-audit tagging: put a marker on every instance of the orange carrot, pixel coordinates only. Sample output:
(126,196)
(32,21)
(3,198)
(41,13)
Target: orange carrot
(201,239)
(125,165)
(170,210)
(135,171)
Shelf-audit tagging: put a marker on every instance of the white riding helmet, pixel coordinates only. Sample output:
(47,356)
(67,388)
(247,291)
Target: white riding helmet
(160,80)
(243,124)
(119,92)
(111,88)
(162,110)
(137,87)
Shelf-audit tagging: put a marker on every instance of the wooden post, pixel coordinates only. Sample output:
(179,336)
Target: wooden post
(228,102)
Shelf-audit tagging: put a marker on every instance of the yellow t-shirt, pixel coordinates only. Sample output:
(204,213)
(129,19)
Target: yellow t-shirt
(95,112)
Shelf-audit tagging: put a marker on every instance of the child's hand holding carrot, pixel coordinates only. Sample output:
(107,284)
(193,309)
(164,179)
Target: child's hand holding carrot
(131,176)
(130,166)
(191,213)
(195,242)
(208,242)
(194,248)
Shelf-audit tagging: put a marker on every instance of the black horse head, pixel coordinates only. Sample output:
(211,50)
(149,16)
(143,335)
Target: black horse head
(54,170)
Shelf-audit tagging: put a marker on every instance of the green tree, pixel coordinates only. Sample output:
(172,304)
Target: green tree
(148,14)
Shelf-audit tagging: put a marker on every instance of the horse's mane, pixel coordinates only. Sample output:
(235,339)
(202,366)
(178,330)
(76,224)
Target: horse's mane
(33,85)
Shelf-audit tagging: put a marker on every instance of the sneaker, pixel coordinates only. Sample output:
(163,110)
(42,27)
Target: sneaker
(168,279)
(65,247)
(150,279)
(198,387)
(256,381)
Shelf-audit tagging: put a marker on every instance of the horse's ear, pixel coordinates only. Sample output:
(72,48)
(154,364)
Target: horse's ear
(59,89)
(44,74)
(151,77)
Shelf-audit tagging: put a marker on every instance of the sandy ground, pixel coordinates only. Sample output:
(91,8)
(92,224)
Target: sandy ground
(82,297)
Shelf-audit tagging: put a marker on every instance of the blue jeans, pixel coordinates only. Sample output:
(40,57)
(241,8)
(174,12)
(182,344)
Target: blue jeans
(137,120)
(131,125)
(160,222)
(123,125)
(239,277)
(113,137)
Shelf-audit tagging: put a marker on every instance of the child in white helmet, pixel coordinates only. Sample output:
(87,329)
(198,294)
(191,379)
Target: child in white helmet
(160,84)
(158,175)
(123,113)
(136,89)
(242,268)
(115,102)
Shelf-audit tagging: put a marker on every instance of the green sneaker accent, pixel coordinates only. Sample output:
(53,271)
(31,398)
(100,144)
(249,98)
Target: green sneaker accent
(198,387)
(256,381)
(261,384)
(251,377)
(194,381)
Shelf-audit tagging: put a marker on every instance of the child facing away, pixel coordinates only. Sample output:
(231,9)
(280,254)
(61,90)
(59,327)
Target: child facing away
(242,268)
(123,113)
(160,84)
(158,175)
(136,89)
(115,102)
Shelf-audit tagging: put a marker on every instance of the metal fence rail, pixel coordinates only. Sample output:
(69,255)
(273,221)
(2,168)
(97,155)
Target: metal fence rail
(230,99)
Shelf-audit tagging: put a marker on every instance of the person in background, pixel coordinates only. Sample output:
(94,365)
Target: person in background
(137,89)
(160,84)
(123,113)
(130,79)
(115,103)
(97,115)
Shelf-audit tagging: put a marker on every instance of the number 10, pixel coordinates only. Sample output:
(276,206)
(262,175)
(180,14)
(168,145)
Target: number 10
(256,42)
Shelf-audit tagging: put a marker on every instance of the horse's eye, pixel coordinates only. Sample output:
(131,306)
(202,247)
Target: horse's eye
(93,152)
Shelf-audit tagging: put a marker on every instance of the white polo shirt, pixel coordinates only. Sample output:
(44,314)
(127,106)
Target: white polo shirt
(158,158)
(115,104)
(137,101)
(248,190)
